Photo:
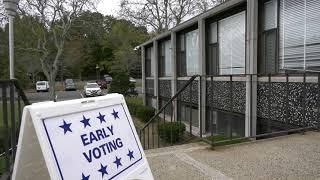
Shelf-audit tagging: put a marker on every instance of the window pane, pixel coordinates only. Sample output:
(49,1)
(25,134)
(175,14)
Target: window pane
(192,52)
(299,34)
(152,62)
(212,59)
(148,62)
(292,23)
(270,15)
(232,44)
(182,42)
(313,35)
(168,62)
(213,33)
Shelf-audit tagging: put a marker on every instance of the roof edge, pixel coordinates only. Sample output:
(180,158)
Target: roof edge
(211,12)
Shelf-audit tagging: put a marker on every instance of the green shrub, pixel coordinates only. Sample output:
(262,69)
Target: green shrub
(120,83)
(172,131)
(2,138)
(144,113)
(134,104)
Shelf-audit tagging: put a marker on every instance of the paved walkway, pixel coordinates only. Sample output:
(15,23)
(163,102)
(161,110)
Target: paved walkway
(288,157)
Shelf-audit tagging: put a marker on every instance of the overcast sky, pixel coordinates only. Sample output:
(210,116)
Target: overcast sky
(109,7)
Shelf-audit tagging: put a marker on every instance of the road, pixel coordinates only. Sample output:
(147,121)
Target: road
(34,97)
(61,96)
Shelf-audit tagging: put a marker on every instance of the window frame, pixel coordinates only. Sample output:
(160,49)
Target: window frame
(162,57)
(181,67)
(262,33)
(242,7)
(148,71)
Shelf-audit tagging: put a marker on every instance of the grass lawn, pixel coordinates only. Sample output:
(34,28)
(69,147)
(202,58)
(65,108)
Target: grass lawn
(220,140)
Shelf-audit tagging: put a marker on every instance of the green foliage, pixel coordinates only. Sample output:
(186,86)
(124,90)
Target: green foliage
(93,39)
(133,104)
(145,113)
(120,83)
(137,109)
(172,131)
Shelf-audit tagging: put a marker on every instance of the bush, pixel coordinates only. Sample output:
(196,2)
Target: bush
(2,138)
(172,131)
(145,113)
(120,83)
(133,104)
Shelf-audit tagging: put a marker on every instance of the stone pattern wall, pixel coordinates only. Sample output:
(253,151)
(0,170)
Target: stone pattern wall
(295,103)
(227,96)
(165,88)
(185,95)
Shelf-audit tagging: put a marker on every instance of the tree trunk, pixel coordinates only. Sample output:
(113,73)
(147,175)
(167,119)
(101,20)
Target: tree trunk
(52,82)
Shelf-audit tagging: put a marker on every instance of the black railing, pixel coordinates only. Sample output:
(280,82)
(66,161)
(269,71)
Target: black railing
(154,133)
(12,101)
(285,104)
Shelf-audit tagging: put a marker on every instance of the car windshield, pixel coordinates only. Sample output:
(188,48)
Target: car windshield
(41,83)
(92,86)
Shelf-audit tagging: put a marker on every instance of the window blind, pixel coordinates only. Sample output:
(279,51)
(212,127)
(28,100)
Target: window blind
(299,34)
(232,44)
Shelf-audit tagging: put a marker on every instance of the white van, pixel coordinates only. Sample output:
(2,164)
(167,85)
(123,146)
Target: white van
(42,86)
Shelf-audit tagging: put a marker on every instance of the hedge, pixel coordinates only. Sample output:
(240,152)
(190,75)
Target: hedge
(172,131)
(144,113)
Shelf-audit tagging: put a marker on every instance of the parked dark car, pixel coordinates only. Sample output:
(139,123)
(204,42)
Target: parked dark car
(102,83)
(69,85)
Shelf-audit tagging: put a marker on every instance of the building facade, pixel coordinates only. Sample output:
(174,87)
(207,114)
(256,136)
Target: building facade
(258,62)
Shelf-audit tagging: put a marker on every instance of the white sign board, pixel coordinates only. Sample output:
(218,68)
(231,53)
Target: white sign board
(85,139)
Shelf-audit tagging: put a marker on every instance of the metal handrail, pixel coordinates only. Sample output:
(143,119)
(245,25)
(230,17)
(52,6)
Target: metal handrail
(170,101)
(9,99)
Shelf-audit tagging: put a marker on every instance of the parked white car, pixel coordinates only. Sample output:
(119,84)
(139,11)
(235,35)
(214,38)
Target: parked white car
(42,86)
(92,89)
(132,80)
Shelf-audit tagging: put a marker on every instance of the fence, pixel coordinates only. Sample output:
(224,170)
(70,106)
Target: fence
(285,104)
(12,102)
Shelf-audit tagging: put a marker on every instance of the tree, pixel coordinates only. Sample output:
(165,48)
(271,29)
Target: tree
(3,17)
(160,15)
(55,19)
(123,37)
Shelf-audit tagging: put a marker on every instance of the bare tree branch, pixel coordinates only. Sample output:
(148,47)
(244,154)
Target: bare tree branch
(55,18)
(160,15)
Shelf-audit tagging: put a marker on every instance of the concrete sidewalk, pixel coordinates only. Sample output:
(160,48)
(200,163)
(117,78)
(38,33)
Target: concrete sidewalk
(288,157)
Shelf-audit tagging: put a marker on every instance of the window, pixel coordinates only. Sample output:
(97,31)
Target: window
(268,38)
(232,44)
(299,35)
(149,62)
(165,65)
(270,15)
(188,52)
(212,51)
(192,52)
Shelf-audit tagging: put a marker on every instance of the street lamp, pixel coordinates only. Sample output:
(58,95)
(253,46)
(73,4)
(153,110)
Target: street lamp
(11,7)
